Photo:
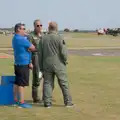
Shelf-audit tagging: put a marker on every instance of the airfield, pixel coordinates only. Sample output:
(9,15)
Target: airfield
(94,80)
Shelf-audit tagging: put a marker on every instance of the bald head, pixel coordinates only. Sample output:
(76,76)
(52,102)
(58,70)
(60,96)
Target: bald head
(53,26)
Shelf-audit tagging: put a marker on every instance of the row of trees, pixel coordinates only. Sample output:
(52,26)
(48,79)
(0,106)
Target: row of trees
(77,30)
(68,30)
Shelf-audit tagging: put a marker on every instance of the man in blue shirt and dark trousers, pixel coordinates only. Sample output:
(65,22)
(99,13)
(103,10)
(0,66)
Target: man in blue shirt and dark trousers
(22,63)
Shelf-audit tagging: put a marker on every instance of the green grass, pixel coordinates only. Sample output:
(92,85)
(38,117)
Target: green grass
(94,85)
(78,41)
(5,41)
(90,40)
(6,67)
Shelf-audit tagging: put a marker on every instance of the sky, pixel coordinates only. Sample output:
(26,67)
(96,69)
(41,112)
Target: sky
(72,14)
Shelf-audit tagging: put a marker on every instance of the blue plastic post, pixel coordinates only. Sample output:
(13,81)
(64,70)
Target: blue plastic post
(5,80)
(6,94)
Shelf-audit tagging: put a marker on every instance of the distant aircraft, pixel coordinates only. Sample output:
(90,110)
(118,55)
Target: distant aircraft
(113,32)
(100,31)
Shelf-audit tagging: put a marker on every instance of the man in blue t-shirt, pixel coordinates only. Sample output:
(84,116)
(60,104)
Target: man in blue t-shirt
(22,63)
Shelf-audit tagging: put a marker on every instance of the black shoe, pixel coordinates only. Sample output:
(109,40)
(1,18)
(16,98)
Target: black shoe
(69,104)
(48,105)
(36,101)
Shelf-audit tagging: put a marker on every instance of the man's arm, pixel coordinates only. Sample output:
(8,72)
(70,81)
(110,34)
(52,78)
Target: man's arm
(63,50)
(40,55)
(32,48)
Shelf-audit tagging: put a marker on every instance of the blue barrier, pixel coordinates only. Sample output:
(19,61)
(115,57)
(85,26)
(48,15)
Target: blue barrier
(5,80)
(6,94)
(6,90)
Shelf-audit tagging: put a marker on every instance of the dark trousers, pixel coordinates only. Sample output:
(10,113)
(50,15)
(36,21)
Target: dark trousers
(36,80)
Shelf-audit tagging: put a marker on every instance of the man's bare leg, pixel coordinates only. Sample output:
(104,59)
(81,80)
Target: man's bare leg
(21,94)
(16,93)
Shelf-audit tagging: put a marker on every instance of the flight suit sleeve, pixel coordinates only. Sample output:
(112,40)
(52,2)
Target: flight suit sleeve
(30,38)
(40,55)
(63,50)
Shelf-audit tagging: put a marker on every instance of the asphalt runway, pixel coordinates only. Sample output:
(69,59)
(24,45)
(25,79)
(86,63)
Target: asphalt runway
(83,52)
(95,52)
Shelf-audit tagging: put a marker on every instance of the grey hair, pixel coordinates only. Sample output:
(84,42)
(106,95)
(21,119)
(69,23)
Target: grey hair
(53,26)
(36,21)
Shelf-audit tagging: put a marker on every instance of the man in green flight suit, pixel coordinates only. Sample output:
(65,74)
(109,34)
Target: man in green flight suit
(34,38)
(52,61)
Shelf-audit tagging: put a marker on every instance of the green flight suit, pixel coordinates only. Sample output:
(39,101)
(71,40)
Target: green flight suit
(34,39)
(52,61)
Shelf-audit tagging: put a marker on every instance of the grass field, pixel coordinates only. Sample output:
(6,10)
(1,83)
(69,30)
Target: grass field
(77,41)
(91,41)
(94,85)
(5,41)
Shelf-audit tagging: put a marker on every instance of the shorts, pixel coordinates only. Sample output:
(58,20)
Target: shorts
(21,75)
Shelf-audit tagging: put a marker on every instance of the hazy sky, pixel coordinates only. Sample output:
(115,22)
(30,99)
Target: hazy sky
(81,14)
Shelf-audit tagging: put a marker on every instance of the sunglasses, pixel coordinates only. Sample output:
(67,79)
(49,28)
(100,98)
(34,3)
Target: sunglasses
(39,25)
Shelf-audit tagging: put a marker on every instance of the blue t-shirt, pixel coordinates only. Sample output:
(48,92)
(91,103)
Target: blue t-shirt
(20,46)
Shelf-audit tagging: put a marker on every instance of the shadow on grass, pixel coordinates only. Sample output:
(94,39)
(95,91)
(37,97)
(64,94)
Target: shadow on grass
(41,104)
